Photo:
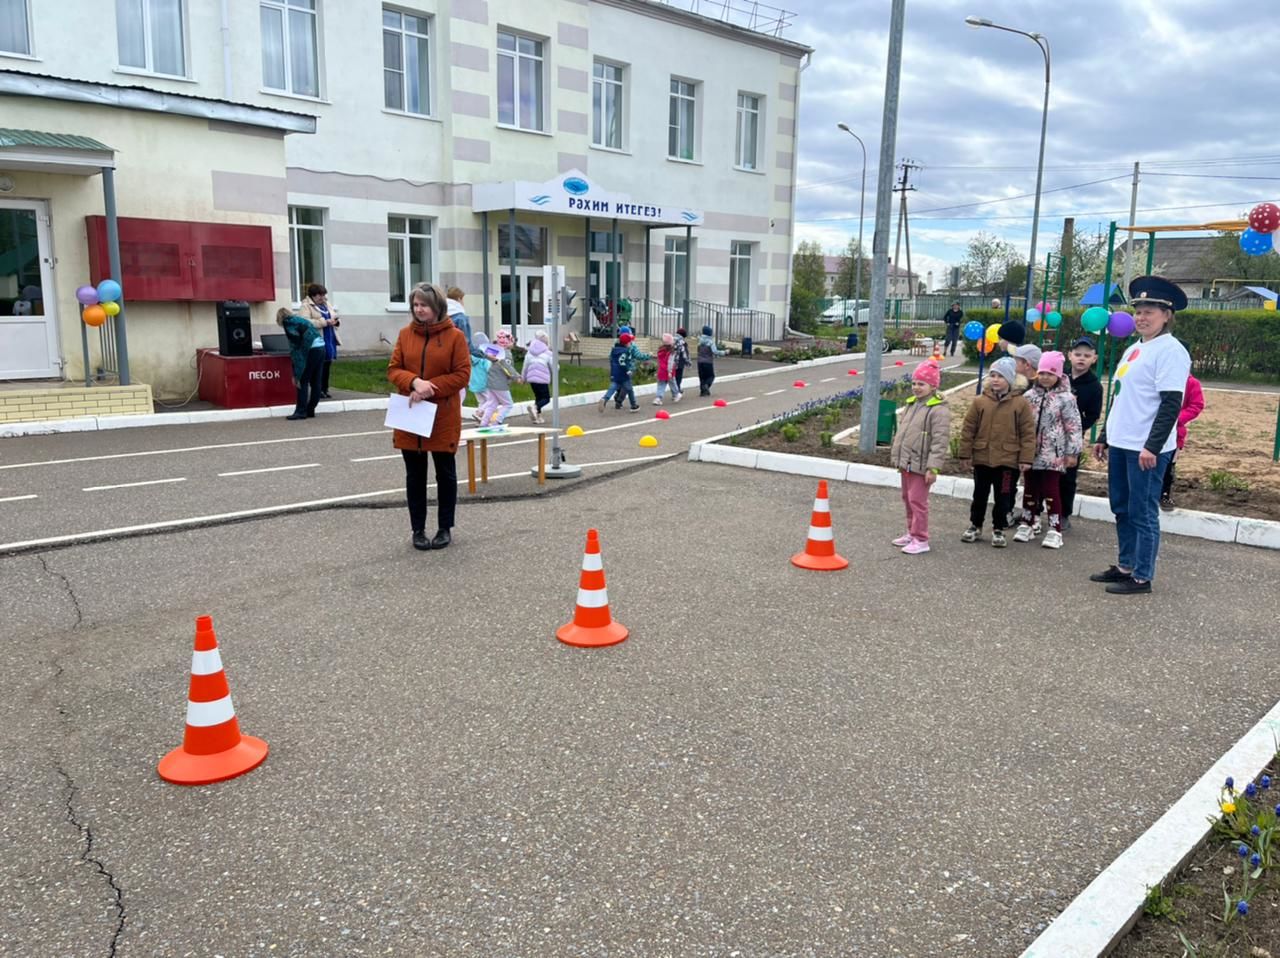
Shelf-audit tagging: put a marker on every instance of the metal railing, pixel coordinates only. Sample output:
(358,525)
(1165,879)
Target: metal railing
(652,318)
(757,17)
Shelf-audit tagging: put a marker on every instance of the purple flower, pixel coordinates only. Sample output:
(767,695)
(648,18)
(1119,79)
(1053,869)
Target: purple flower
(1278,811)
(1255,859)
(1243,907)
(1266,781)
(1255,831)
(1231,782)
(1251,790)
(1243,850)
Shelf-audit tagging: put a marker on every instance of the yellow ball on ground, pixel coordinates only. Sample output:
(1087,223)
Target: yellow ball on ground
(575,431)
(648,442)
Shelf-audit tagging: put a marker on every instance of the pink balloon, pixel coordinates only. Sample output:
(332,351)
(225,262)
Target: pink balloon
(1043,307)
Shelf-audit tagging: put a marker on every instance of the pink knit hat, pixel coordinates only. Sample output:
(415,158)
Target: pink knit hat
(928,372)
(1051,362)
(667,339)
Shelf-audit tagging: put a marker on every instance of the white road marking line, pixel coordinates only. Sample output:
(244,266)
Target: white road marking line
(254,472)
(263,510)
(649,422)
(829,379)
(18,498)
(775,392)
(394,455)
(131,485)
(219,445)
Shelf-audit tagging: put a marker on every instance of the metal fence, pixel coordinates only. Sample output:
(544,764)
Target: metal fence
(931,306)
(652,318)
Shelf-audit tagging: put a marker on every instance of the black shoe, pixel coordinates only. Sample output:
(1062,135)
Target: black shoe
(311,415)
(441,539)
(297,415)
(1112,574)
(1066,523)
(1166,503)
(325,396)
(421,542)
(1129,586)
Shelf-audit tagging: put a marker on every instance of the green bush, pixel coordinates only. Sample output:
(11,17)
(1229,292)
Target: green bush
(1239,344)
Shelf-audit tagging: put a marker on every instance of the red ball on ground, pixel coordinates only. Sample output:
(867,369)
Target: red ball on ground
(662,414)
(799,384)
(853,372)
(720,402)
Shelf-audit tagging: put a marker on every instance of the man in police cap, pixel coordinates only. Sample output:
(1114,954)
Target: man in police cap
(1139,438)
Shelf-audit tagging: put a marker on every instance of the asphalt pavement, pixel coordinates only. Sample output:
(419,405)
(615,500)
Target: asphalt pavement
(918,756)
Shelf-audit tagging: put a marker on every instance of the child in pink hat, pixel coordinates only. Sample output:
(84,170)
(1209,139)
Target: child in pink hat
(1059,441)
(666,370)
(919,451)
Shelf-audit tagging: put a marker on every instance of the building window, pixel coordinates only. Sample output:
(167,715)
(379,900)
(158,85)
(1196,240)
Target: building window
(606,105)
(684,112)
(531,245)
(290,54)
(747,154)
(520,82)
(151,34)
(675,256)
(306,248)
(740,275)
(15,27)
(406,62)
(408,254)
(602,241)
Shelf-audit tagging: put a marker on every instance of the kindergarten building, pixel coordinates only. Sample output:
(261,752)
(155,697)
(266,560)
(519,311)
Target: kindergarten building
(249,149)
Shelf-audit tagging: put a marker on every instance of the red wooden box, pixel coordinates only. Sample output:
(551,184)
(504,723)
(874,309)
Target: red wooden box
(241,382)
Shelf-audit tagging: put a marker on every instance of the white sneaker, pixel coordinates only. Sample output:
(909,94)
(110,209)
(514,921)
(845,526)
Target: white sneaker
(916,547)
(678,397)
(657,401)
(902,540)
(1023,534)
(1036,528)
(1052,539)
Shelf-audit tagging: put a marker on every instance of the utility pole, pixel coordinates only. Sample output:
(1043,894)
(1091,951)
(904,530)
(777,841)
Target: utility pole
(903,188)
(880,240)
(1128,243)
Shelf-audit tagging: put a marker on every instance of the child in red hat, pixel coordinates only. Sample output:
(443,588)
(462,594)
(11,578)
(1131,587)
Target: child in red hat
(919,451)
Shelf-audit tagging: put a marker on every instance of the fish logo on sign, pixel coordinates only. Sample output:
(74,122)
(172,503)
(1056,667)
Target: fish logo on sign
(576,186)
(541,200)
(689,217)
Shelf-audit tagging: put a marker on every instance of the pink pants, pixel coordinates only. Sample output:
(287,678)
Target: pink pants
(495,406)
(915,496)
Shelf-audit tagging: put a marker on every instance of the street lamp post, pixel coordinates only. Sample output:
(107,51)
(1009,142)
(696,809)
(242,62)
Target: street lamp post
(862,202)
(1042,42)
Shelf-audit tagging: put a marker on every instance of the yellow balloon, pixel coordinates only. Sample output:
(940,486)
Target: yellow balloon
(575,431)
(111,308)
(993,333)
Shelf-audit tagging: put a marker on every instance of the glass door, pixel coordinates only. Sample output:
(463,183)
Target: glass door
(28,315)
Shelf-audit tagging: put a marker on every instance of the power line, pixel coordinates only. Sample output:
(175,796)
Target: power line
(1212,176)
(1239,204)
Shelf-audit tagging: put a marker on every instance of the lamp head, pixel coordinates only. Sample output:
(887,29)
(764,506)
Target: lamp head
(976,22)
(843,126)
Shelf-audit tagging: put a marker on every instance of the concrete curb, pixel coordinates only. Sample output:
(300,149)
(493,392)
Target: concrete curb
(13,430)
(1103,913)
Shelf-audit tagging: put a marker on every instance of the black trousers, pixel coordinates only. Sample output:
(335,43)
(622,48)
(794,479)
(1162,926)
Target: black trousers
(324,375)
(679,376)
(706,376)
(1004,481)
(309,384)
(953,337)
(1167,488)
(415,487)
(1067,487)
(541,394)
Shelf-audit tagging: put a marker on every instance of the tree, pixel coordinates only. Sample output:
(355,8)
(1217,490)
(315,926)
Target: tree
(808,285)
(1227,260)
(987,264)
(846,285)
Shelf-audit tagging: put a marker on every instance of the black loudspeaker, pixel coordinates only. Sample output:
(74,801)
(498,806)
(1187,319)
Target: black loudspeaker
(235,337)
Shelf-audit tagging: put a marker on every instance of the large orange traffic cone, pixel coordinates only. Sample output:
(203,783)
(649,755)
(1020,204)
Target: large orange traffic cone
(592,624)
(213,749)
(820,548)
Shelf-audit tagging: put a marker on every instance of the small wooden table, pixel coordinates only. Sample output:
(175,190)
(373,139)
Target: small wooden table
(481,436)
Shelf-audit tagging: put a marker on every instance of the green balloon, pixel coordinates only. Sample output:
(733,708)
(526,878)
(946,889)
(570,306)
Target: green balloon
(1054,319)
(1095,319)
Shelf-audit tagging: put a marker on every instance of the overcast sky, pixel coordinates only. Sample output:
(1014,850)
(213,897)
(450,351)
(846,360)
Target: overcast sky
(1190,88)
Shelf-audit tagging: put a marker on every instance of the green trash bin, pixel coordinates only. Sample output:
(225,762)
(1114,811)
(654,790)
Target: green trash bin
(886,422)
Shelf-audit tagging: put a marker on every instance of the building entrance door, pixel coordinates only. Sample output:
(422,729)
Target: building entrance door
(28,306)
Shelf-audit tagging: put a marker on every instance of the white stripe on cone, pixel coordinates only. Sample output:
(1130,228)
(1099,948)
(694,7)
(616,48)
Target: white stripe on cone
(821,534)
(592,562)
(593,598)
(206,663)
(821,505)
(204,714)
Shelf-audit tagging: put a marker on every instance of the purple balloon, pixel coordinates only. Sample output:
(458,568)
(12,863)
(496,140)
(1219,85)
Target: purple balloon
(87,295)
(1121,325)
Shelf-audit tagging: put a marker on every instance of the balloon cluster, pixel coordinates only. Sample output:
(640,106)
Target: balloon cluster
(99,302)
(1118,324)
(1264,219)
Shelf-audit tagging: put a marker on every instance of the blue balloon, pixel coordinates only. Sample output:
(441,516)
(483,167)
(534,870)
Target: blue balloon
(1033,314)
(973,330)
(1255,243)
(109,291)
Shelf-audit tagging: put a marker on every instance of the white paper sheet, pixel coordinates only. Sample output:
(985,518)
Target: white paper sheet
(417,419)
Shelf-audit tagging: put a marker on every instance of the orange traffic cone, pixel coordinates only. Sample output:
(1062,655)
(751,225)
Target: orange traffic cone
(213,750)
(592,625)
(820,549)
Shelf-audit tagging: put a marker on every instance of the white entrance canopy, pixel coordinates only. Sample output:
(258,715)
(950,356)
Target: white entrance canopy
(573,194)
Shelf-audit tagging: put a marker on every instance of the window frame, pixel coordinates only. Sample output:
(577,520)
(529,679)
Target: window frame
(299,283)
(285,7)
(428,44)
(758,113)
(692,98)
(405,239)
(740,279)
(516,56)
(30,52)
(148,52)
(673,273)
(599,86)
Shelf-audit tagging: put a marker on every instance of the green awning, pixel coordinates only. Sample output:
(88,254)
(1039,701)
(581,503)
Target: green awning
(65,153)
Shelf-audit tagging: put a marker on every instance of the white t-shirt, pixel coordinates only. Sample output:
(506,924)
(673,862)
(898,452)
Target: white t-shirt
(1146,370)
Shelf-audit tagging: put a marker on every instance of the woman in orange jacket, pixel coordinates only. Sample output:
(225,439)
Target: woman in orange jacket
(431,363)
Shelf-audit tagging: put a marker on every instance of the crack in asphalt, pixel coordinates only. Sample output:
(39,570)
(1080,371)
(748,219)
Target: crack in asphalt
(71,593)
(87,855)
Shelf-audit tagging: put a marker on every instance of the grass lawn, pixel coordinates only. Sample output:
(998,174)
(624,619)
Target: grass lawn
(370,376)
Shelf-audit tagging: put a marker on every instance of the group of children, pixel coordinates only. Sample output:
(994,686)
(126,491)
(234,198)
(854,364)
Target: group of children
(672,360)
(493,371)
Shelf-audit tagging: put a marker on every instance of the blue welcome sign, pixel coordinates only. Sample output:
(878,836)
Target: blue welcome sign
(573,193)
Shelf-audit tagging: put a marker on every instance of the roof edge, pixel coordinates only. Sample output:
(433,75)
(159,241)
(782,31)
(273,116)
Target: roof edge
(663,11)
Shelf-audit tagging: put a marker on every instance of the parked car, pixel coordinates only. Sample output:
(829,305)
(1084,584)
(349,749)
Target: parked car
(848,312)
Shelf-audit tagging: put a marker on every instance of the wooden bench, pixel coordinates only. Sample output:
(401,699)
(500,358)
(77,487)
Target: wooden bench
(571,348)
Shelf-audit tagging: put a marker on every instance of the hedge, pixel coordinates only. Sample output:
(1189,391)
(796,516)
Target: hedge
(1240,344)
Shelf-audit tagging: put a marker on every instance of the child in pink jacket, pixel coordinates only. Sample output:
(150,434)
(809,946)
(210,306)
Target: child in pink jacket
(1192,406)
(667,358)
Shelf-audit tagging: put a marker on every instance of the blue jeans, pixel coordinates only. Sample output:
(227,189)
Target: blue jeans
(621,387)
(1135,501)
(665,384)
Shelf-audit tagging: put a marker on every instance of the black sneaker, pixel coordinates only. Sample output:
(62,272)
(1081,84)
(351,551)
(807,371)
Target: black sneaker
(1129,586)
(421,542)
(1112,574)
(1166,503)
(441,539)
